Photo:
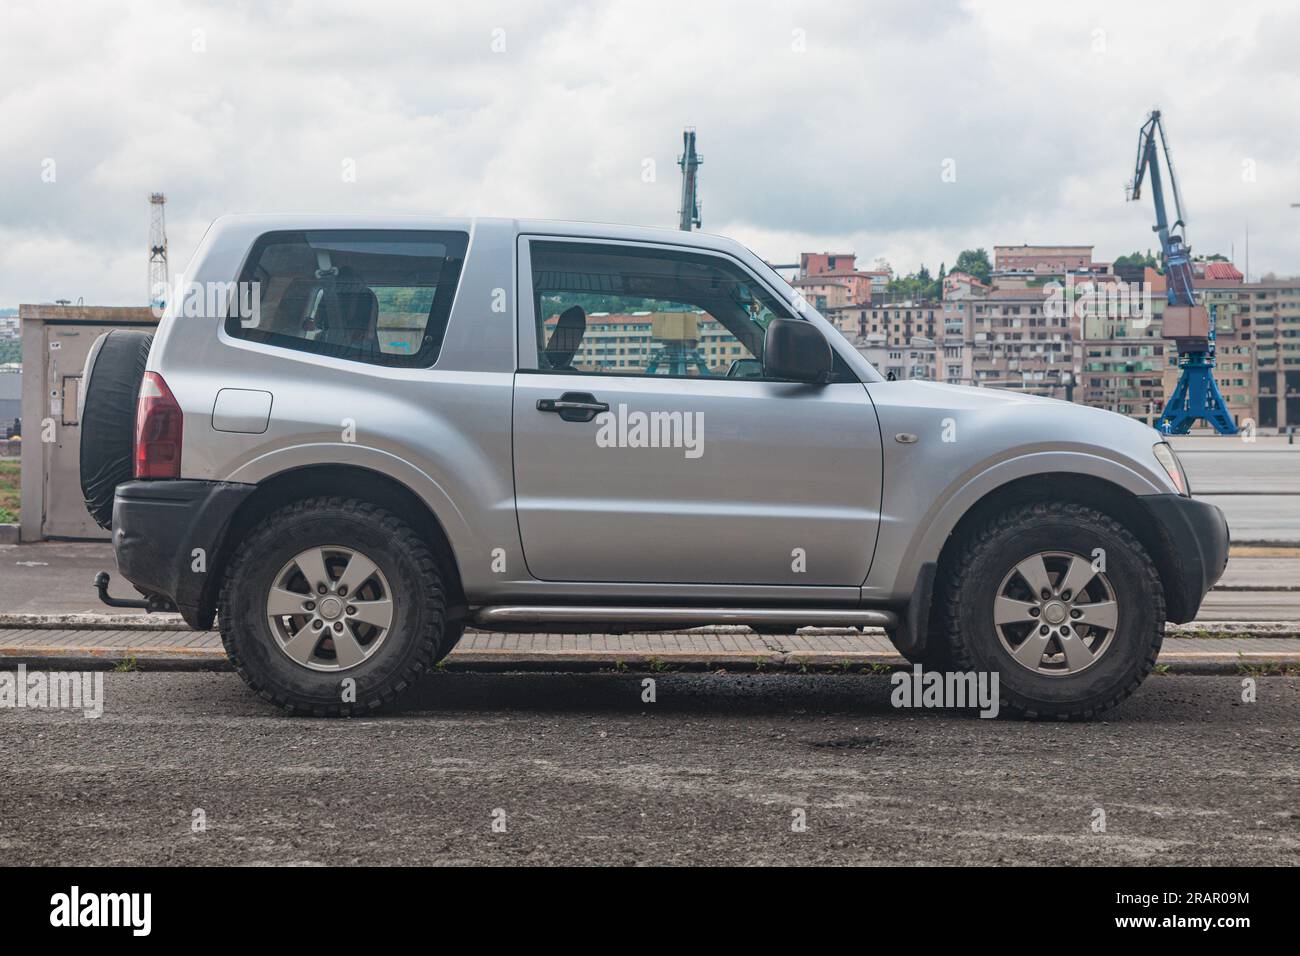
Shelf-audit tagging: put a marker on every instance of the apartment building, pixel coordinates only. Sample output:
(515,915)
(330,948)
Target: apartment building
(850,319)
(1257,339)
(1122,356)
(954,353)
(1054,322)
(908,333)
(825,292)
(826,263)
(963,285)
(1042,260)
(841,268)
(900,322)
(1129,368)
(914,360)
(1018,341)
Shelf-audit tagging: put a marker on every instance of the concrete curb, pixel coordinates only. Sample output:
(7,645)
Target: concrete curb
(502,661)
(94,621)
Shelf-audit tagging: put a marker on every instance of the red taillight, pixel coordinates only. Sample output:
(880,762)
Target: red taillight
(158,428)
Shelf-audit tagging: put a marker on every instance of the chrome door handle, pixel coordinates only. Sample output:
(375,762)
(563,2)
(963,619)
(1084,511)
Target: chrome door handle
(573,406)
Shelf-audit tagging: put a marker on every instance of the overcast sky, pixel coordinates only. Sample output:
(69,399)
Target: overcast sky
(823,125)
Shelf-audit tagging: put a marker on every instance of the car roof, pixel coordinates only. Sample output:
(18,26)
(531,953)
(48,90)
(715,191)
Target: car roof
(248,223)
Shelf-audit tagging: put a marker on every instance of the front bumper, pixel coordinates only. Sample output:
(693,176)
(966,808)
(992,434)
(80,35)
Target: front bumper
(167,535)
(1195,543)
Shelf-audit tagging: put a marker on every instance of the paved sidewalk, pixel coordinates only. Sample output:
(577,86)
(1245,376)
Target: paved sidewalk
(701,648)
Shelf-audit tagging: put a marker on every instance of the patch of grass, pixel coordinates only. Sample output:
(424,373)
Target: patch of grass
(1269,669)
(127,666)
(8,492)
(1160,669)
(1204,635)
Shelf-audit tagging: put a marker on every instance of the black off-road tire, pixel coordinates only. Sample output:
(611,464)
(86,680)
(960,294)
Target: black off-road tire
(965,609)
(418,631)
(452,632)
(937,655)
(110,384)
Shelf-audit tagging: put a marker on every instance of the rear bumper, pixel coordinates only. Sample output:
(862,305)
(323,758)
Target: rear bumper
(1196,539)
(167,535)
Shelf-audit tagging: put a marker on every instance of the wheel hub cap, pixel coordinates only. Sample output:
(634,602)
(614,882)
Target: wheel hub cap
(1055,614)
(330,608)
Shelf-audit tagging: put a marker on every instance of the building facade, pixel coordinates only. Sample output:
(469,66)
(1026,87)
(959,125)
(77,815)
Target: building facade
(1018,341)
(1054,322)
(1042,260)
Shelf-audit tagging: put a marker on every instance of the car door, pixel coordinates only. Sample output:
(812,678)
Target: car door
(638,459)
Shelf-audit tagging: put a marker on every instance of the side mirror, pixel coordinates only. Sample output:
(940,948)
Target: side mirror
(796,351)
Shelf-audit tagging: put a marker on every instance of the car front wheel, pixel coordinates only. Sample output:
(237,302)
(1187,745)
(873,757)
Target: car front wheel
(1062,602)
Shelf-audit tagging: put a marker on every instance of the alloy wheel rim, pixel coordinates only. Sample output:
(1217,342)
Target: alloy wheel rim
(1055,614)
(330,608)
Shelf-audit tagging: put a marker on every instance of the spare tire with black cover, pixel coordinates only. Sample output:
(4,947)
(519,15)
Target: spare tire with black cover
(110,389)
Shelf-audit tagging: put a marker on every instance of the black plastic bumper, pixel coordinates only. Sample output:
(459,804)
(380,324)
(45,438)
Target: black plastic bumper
(167,535)
(1195,538)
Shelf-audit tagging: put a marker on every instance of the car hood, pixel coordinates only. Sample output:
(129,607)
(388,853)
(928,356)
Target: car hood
(992,423)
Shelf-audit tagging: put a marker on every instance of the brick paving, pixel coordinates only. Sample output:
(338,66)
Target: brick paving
(718,646)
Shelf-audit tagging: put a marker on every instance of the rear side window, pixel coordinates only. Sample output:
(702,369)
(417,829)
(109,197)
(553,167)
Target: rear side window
(378,296)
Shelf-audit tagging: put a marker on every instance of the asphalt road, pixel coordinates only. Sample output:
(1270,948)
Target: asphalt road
(1229,465)
(585,772)
(1257,484)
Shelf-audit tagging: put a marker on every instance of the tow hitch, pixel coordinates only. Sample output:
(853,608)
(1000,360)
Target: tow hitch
(150,604)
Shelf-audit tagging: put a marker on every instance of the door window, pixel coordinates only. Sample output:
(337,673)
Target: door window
(642,312)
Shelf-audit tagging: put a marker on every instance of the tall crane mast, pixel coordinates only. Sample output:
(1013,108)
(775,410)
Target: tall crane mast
(1197,395)
(689,161)
(159,272)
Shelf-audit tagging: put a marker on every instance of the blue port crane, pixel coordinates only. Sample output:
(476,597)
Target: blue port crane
(1196,395)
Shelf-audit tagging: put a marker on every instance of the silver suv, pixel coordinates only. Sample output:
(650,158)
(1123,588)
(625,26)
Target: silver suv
(351,438)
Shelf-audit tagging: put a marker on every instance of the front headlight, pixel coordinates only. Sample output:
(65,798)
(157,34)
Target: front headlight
(1173,467)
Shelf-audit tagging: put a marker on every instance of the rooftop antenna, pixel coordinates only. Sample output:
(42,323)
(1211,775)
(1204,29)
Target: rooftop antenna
(159,273)
(689,161)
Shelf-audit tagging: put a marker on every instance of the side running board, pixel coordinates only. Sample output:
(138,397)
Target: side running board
(515,615)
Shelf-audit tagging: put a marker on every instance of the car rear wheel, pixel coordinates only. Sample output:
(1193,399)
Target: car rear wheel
(1062,602)
(333,606)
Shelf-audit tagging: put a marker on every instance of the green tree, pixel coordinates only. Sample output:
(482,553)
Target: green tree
(974,262)
(1137,259)
(917,285)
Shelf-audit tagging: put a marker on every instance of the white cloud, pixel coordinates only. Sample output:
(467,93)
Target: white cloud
(839,145)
